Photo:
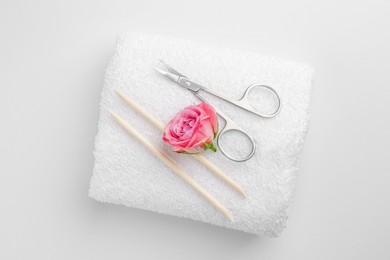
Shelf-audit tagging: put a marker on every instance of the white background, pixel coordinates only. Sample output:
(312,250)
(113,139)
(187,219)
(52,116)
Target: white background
(52,61)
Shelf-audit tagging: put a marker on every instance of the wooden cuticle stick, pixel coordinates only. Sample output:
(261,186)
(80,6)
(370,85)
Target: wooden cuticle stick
(199,157)
(181,173)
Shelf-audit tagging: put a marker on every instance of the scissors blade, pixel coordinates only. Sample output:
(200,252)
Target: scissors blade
(178,78)
(172,70)
(169,72)
(169,75)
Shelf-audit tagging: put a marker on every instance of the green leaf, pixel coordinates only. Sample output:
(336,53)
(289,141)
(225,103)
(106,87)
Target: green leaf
(211,147)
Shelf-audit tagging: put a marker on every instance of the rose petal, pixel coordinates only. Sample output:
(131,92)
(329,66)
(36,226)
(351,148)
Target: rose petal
(210,111)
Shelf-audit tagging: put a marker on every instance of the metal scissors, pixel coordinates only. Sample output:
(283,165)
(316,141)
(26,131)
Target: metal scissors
(230,125)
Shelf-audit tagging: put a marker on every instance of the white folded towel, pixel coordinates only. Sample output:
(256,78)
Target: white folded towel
(126,173)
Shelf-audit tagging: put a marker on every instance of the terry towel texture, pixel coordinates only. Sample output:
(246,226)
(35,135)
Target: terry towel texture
(126,173)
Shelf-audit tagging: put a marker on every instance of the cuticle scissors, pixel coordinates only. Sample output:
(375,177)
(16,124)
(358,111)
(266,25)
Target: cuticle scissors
(230,125)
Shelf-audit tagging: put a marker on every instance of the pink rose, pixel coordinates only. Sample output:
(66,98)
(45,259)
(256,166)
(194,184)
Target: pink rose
(193,129)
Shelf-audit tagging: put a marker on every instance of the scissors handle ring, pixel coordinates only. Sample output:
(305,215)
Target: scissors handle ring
(230,125)
(244,102)
(240,159)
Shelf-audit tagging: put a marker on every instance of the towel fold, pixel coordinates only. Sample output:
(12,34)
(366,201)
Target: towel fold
(126,173)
